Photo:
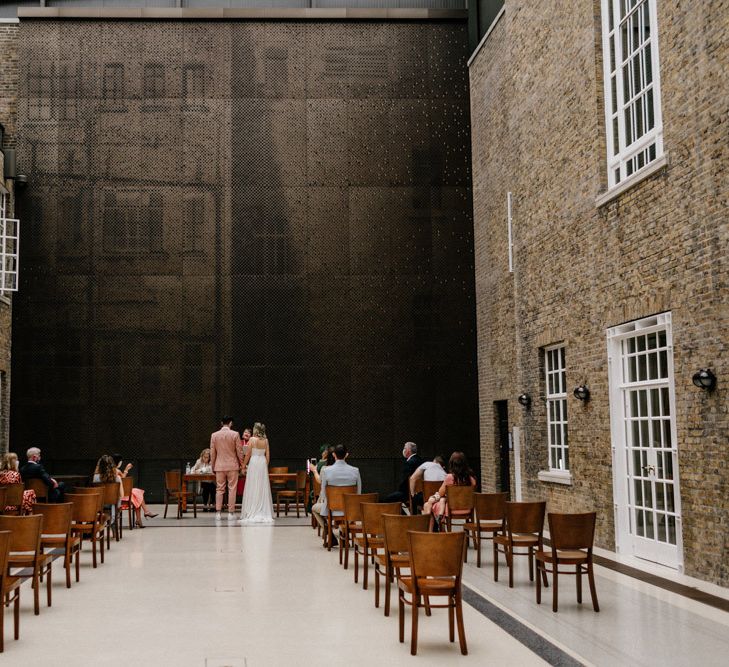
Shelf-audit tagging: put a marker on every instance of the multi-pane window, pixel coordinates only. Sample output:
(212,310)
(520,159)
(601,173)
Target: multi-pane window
(113,82)
(41,76)
(556,386)
(9,246)
(67,91)
(193,81)
(154,81)
(632,86)
(132,222)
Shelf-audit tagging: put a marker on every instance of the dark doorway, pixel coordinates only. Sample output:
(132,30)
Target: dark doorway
(501,413)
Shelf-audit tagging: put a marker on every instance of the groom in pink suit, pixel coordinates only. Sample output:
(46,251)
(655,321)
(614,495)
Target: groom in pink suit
(226,459)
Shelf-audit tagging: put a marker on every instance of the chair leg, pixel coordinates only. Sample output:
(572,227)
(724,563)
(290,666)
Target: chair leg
(593,590)
(49,584)
(478,547)
(377,587)
(540,565)
(578,578)
(36,593)
(401,615)
(414,633)
(555,588)
(365,567)
(67,565)
(531,563)
(451,624)
(356,564)
(496,562)
(341,545)
(167,502)
(461,629)
(428,612)
(388,586)
(78,557)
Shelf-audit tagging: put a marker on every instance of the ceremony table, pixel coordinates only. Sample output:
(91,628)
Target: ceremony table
(279,477)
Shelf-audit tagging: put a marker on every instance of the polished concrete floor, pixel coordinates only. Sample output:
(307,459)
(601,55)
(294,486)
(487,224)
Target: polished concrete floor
(192,593)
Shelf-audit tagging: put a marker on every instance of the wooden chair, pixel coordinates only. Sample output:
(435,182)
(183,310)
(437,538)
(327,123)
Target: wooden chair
(352,524)
(277,483)
(571,537)
(26,554)
(335,503)
(14,498)
(524,529)
(418,488)
(396,556)
(111,509)
(40,488)
(459,500)
(174,493)
(490,514)
(56,536)
(297,494)
(86,522)
(126,503)
(429,488)
(8,585)
(3,496)
(436,565)
(372,539)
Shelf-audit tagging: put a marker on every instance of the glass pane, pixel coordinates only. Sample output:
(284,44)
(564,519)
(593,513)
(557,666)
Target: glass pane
(556,435)
(657,432)
(554,458)
(660,471)
(660,505)
(663,366)
(632,370)
(641,343)
(669,498)
(636,462)
(655,402)
(648,494)
(671,530)
(566,453)
(668,460)
(643,398)
(635,433)
(633,403)
(642,368)
(649,525)
(644,441)
(638,492)
(616,141)
(662,339)
(612,55)
(665,403)
(661,527)
(639,522)
(667,433)
(651,341)
(631,345)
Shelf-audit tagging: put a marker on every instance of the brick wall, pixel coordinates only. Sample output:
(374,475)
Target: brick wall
(538,131)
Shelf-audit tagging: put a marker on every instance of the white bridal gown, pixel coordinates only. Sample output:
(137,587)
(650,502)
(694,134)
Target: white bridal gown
(257,503)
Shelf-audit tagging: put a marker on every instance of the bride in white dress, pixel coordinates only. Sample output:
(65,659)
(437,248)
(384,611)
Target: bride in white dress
(257,506)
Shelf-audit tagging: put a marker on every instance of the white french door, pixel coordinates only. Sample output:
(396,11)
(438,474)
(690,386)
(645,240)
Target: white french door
(643,429)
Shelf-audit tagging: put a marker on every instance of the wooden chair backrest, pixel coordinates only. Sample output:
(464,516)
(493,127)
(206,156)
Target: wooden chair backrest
(317,488)
(3,496)
(490,506)
(14,495)
(372,516)
(56,517)
(572,531)
(301,477)
(335,496)
(85,506)
(127,485)
(39,486)
(86,490)
(436,554)
(353,504)
(396,528)
(429,488)
(25,531)
(419,486)
(280,470)
(4,554)
(525,517)
(460,498)
(109,492)
(173,480)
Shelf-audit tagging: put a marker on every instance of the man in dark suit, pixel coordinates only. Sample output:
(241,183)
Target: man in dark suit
(412,463)
(34,470)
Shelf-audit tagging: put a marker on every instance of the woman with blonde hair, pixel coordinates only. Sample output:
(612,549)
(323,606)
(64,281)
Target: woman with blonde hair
(9,475)
(204,466)
(257,505)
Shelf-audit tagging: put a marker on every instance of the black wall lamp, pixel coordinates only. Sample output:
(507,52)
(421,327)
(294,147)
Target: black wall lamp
(582,393)
(704,379)
(525,400)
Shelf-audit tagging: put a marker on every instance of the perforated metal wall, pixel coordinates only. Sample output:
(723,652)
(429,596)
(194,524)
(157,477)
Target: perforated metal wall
(271,219)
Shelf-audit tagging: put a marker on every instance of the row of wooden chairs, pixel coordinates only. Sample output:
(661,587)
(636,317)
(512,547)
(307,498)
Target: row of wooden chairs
(394,543)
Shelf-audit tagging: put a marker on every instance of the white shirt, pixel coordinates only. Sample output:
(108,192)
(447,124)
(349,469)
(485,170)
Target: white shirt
(432,471)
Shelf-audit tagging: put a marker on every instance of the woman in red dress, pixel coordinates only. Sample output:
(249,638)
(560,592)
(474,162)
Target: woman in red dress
(9,475)
(459,474)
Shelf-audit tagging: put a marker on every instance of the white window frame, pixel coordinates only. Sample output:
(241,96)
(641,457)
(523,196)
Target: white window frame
(9,250)
(648,147)
(555,391)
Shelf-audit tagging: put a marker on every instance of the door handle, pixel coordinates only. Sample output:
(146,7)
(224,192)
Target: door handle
(649,470)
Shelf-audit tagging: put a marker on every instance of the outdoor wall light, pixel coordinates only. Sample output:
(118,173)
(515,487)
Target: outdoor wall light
(704,379)
(582,393)
(525,400)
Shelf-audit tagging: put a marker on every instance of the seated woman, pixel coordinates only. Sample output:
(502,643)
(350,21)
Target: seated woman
(137,496)
(459,474)
(9,475)
(106,472)
(204,466)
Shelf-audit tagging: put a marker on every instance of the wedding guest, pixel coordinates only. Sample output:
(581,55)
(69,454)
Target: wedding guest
(326,456)
(9,475)
(227,460)
(411,464)
(430,471)
(33,469)
(204,466)
(459,474)
(338,474)
(244,447)
(137,497)
(106,472)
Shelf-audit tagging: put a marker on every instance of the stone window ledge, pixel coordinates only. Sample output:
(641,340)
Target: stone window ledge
(555,476)
(629,182)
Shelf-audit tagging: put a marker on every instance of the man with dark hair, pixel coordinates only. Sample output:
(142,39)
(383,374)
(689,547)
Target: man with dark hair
(338,474)
(34,470)
(411,464)
(226,457)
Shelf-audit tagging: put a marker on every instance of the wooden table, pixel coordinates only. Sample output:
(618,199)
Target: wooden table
(276,478)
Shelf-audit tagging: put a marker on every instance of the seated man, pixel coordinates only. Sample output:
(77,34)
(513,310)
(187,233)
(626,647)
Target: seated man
(34,470)
(430,471)
(412,463)
(340,473)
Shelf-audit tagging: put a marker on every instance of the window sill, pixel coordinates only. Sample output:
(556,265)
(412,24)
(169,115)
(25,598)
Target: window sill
(555,476)
(628,183)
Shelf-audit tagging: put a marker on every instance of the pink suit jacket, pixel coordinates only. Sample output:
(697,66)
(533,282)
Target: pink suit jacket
(225,450)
